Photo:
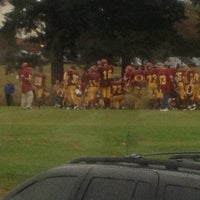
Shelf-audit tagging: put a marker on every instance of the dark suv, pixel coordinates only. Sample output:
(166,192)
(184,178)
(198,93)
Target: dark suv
(134,177)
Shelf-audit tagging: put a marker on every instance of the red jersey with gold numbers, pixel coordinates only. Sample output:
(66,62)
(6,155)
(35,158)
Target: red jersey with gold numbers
(189,76)
(180,75)
(73,77)
(106,75)
(164,77)
(117,87)
(138,77)
(152,75)
(93,79)
(39,80)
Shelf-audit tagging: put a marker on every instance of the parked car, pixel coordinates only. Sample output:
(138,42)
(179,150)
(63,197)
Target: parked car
(195,61)
(174,61)
(134,177)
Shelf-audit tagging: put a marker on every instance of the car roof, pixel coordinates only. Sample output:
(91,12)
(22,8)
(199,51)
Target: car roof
(175,161)
(179,165)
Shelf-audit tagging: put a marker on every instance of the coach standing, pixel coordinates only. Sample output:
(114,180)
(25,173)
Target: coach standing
(25,78)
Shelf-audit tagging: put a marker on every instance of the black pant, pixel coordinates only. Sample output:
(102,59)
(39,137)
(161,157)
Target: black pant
(9,99)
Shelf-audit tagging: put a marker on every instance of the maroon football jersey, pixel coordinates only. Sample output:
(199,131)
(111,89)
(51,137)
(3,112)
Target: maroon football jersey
(164,77)
(93,79)
(106,75)
(73,77)
(39,80)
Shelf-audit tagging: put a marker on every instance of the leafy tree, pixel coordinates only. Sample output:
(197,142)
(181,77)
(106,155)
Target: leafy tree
(188,30)
(96,28)
(130,28)
(30,13)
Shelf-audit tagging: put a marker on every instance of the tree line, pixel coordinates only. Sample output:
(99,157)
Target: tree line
(96,29)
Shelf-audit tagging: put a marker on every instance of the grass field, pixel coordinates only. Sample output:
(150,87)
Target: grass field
(34,140)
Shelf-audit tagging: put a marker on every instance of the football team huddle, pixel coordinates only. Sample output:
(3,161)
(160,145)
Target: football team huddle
(150,86)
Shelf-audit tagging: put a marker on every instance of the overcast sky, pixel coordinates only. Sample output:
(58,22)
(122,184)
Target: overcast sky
(7,7)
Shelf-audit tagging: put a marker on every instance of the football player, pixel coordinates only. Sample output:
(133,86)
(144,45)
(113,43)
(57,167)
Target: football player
(165,79)
(138,83)
(106,76)
(93,80)
(39,79)
(179,80)
(151,75)
(72,84)
(189,86)
(118,94)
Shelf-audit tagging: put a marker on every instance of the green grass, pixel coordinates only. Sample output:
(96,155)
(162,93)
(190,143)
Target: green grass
(32,141)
